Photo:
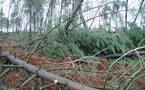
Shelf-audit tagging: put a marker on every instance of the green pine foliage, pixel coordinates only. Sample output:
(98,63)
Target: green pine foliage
(60,49)
(74,50)
(94,41)
(88,42)
(57,49)
(136,34)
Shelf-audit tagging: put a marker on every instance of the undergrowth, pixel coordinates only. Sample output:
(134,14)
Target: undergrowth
(88,42)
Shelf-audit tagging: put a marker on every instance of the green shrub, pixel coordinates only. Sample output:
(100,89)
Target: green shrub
(74,50)
(86,42)
(60,49)
(57,49)
(136,34)
(91,42)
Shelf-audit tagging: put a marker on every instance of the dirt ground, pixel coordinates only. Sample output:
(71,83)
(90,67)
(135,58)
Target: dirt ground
(91,73)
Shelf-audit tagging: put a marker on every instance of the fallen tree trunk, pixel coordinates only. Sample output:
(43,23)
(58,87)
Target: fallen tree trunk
(111,56)
(46,75)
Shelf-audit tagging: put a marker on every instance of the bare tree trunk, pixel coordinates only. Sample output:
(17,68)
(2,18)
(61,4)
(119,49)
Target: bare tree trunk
(109,24)
(138,11)
(30,27)
(8,18)
(41,23)
(66,28)
(99,19)
(61,11)
(34,22)
(49,11)
(126,11)
(1,23)
(82,18)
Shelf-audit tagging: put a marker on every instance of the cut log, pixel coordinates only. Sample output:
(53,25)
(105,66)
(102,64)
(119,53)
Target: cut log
(46,75)
(111,56)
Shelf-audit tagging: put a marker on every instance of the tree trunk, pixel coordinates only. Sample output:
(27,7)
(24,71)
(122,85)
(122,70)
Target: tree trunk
(34,22)
(126,11)
(46,75)
(82,18)
(66,28)
(30,23)
(8,19)
(138,11)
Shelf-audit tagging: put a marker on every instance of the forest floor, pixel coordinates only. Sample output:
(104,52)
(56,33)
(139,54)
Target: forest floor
(91,73)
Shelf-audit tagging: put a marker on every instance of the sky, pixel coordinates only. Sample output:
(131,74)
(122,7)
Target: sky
(131,3)
(6,4)
(6,7)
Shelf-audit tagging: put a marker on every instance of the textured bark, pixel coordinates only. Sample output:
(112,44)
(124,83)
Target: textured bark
(46,75)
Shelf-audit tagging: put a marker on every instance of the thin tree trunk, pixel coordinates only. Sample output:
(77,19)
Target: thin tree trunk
(138,11)
(82,18)
(126,11)
(1,23)
(66,28)
(19,16)
(50,11)
(30,27)
(34,22)
(109,24)
(8,19)
(41,23)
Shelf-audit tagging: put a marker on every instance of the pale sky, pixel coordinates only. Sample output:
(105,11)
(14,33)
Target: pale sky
(6,7)
(131,3)
(6,4)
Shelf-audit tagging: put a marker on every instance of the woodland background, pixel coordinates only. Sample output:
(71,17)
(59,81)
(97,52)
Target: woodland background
(103,40)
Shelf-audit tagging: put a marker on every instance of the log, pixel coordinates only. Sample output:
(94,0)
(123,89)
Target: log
(111,56)
(46,75)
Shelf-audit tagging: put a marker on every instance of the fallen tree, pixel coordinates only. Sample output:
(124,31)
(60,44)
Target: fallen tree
(44,74)
(111,56)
